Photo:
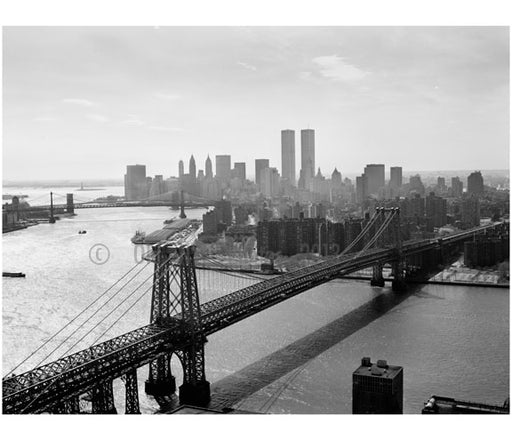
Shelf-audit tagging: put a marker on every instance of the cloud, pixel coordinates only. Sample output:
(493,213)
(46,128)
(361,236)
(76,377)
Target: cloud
(167,96)
(133,120)
(164,128)
(336,68)
(247,66)
(45,118)
(79,101)
(96,117)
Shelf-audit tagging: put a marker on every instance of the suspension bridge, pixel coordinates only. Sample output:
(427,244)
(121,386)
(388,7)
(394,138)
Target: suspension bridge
(179,323)
(60,203)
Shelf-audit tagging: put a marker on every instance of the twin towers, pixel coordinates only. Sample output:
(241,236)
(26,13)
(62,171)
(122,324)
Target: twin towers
(307,150)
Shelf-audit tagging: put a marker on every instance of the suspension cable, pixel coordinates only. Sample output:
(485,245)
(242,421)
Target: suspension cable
(94,314)
(70,322)
(83,337)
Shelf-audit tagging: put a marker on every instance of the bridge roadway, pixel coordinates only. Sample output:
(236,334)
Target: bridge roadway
(41,388)
(91,205)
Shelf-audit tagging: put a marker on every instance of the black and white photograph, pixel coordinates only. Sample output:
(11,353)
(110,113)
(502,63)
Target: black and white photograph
(255,220)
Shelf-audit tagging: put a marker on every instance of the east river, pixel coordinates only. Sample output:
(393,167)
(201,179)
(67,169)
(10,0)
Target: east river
(451,341)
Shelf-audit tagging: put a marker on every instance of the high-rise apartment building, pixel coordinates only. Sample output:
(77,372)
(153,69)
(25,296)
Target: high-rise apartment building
(377,388)
(476,183)
(223,167)
(435,209)
(260,165)
(307,158)
(288,155)
(376,176)
(135,182)
(395,180)
(470,211)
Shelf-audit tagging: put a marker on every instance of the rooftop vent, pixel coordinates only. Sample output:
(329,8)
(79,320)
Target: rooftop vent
(366,362)
(382,364)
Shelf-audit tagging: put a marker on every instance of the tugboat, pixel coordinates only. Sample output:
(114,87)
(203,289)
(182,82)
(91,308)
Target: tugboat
(139,237)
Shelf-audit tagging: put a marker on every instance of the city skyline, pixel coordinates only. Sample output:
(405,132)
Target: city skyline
(369,94)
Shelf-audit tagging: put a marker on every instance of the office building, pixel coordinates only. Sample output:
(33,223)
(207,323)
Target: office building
(457,187)
(395,180)
(377,388)
(135,182)
(223,167)
(260,165)
(361,188)
(307,151)
(208,168)
(288,155)
(181,169)
(336,178)
(239,170)
(476,183)
(192,167)
(270,182)
(375,174)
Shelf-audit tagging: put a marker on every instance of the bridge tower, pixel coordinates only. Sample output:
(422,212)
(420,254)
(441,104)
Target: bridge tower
(175,293)
(182,206)
(377,277)
(398,265)
(52,218)
(70,205)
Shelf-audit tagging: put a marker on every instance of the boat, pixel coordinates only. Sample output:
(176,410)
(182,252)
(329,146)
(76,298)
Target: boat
(13,274)
(139,237)
(82,232)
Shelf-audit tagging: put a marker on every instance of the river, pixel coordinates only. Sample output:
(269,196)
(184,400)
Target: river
(451,340)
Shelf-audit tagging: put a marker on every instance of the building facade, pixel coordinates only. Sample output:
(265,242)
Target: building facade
(288,155)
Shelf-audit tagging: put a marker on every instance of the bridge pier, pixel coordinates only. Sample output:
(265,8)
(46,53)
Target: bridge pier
(195,389)
(160,382)
(398,284)
(103,399)
(377,277)
(131,392)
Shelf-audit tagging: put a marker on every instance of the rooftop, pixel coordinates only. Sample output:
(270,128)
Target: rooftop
(378,369)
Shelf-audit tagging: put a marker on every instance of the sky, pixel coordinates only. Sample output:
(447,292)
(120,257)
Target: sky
(84,102)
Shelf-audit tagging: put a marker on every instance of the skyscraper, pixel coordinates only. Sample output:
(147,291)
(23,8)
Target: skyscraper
(288,155)
(307,155)
(181,169)
(361,188)
(375,174)
(239,170)
(135,182)
(475,183)
(223,167)
(208,168)
(395,180)
(457,187)
(336,178)
(260,165)
(192,167)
